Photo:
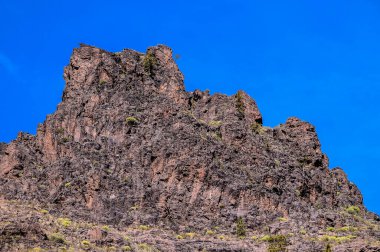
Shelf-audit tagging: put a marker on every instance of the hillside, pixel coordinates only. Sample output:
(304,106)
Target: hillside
(131,161)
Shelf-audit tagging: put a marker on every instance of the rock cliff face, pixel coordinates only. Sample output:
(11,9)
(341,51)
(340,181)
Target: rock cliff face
(129,147)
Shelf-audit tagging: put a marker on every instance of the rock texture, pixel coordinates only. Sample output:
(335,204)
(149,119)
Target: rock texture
(128,147)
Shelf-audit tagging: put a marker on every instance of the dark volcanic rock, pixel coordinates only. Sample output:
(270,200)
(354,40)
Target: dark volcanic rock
(129,146)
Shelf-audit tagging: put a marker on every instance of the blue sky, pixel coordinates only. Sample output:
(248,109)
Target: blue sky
(317,60)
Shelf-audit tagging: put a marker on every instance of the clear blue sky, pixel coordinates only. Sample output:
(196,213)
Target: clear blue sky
(317,60)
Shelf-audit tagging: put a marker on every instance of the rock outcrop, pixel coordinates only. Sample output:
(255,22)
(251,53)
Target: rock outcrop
(128,146)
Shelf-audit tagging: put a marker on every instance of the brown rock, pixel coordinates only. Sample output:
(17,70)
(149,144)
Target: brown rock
(128,145)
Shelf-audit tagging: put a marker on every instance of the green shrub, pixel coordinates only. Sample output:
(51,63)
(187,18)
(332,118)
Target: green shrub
(134,208)
(44,211)
(126,248)
(347,229)
(221,237)
(217,136)
(277,243)
(85,244)
(65,249)
(130,120)
(277,162)
(257,128)
(57,238)
(337,239)
(66,222)
(64,140)
(210,232)
(144,227)
(265,238)
(106,228)
(127,238)
(215,124)
(190,235)
(149,62)
(328,248)
(343,229)
(353,210)
(240,104)
(240,227)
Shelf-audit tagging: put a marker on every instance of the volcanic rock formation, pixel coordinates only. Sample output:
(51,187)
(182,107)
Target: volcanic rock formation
(129,148)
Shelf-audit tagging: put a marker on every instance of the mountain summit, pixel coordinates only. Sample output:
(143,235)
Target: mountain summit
(130,161)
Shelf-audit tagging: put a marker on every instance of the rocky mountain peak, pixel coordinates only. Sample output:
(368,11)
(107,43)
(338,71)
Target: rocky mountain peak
(129,147)
(91,66)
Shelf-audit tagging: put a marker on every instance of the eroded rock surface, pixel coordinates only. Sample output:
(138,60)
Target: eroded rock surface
(129,146)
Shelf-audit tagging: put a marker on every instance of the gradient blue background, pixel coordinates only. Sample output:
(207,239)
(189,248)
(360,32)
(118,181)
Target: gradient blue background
(317,60)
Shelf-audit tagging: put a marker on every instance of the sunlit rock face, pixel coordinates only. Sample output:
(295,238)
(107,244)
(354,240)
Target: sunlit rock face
(136,148)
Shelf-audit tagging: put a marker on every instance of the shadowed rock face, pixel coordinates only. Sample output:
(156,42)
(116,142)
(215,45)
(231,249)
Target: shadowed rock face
(128,145)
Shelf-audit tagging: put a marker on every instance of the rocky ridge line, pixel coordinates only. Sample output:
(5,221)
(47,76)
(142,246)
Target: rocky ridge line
(128,146)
